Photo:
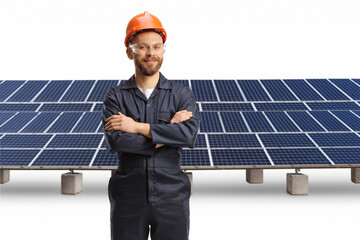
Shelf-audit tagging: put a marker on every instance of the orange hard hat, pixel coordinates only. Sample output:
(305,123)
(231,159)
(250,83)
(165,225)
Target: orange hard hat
(144,21)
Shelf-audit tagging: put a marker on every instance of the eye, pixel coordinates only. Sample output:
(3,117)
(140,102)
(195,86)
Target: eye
(157,46)
(141,47)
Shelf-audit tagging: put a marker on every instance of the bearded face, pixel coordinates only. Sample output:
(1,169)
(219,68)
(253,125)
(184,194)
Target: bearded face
(147,61)
(148,65)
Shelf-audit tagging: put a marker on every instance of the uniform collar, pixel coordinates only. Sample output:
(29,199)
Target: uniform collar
(162,83)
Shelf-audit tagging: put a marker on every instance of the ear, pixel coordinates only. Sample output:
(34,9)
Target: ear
(129,53)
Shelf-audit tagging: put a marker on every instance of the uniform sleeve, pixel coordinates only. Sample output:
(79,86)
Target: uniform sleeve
(181,134)
(119,141)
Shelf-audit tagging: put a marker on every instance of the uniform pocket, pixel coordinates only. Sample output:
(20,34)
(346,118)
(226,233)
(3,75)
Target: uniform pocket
(164,117)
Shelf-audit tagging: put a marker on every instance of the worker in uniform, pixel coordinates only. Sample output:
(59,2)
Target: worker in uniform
(147,120)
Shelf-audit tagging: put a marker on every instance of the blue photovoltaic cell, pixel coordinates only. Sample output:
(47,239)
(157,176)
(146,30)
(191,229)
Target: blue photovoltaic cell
(64,158)
(257,122)
(356,80)
(228,90)
(53,91)
(75,141)
(89,122)
(40,123)
(17,157)
(235,157)
(327,90)
(103,158)
(4,116)
(233,122)
(66,107)
(343,155)
(27,92)
(78,91)
(184,82)
(336,139)
(333,106)
(17,122)
(98,107)
(8,87)
(253,91)
(203,90)
(200,141)
(100,90)
(14,107)
(357,113)
(281,122)
(278,90)
(233,140)
(328,121)
(350,119)
(302,90)
(280,106)
(195,157)
(210,122)
(227,107)
(348,87)
(24,141)
(286,140)
(65,123)
(305,122)
(297,156)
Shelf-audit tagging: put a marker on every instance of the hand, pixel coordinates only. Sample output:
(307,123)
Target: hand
(159,145)
(122,123)
(181,116)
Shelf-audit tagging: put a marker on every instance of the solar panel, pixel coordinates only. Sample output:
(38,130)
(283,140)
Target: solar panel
(78,91)
(335,139)
(280,106)
(350,88)
(297,156)
(8,88)
(244,123)
(203,90)
(286,140)
(24,141)
(236,157)
(303,90)
(228,90)
(23,107)
(27,92)
(253,90)
(343,155)
(227,107)
(53,91)
(281,122)
(64,158)
(233,122)
(327,90)
(278,90)
(306,122)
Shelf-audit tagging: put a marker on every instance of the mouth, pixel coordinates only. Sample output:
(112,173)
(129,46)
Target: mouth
(150,61)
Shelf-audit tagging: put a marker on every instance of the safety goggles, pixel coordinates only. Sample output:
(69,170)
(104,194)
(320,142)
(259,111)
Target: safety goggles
(143,48)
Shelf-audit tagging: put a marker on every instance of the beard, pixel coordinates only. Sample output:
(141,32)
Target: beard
(148,70)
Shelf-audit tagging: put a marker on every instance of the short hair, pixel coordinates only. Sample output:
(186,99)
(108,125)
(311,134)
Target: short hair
(132,36)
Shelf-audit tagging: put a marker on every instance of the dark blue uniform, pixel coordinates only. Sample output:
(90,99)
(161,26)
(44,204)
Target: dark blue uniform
(149,188)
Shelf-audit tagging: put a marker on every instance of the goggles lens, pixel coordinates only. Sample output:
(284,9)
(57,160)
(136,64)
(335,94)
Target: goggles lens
(142,48)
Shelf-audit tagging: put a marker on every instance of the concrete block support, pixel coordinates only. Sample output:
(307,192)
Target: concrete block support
(4,176)
(355,175)
(190,176)
(297,183)
(255,176)
(71,183)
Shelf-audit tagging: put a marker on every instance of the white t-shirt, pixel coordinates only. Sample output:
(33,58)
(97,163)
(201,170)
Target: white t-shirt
(147,92)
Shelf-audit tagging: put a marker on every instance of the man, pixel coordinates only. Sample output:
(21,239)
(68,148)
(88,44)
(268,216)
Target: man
(147,121)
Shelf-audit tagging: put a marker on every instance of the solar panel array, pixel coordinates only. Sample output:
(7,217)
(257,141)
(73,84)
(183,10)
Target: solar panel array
(244,123)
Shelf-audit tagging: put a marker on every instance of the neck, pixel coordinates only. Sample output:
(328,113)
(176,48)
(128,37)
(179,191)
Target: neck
(146,82)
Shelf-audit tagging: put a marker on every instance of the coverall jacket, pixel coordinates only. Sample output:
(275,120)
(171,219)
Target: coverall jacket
(149,188)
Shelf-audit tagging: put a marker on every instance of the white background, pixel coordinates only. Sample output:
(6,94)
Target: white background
(252,39)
